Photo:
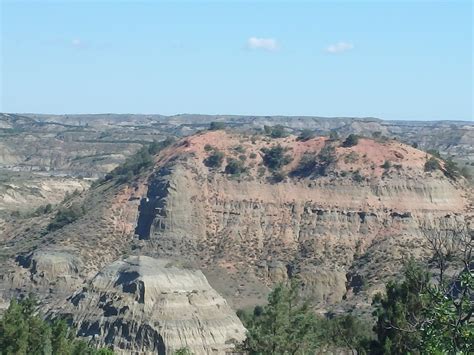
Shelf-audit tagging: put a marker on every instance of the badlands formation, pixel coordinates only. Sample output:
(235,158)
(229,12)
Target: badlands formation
(126,272)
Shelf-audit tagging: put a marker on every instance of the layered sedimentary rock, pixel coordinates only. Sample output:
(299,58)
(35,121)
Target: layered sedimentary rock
(143,305)
(319,227)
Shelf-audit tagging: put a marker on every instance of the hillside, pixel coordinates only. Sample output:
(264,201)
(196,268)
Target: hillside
(342,217)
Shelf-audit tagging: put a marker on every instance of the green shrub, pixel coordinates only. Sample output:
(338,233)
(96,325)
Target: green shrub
(208,148)
(239,149)
(215,159)
(252,155)
(312,164)
(432,164)
(386,165)
(276,157)
(66,216)
(234,167)
(135,164)
(351,141)
(357,177)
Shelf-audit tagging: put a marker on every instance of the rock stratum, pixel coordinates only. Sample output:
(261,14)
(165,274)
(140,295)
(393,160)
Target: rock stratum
(343,224)
(142,305)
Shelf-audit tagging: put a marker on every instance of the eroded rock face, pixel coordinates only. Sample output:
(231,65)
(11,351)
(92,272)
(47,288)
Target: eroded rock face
(143,305)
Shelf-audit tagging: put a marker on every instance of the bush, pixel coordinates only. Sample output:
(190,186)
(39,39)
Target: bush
(275,157)
(386,165)
(66,216)
(214,126)
(234,167)
(432,164)
(357,177)
(351,141)
(252,155)
(311,164)
(215,159)
(305,135)
(239,149)
(138,162)
(208,148)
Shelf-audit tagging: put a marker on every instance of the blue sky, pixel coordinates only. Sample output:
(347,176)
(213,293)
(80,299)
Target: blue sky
(393,60)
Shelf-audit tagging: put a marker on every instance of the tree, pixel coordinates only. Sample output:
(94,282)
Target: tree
(348,331)
(351,141)
(421,316)
(286,325)
(24,332)
(398,312)
(447,326)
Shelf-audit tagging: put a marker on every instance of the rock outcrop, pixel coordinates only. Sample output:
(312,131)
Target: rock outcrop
(143,305)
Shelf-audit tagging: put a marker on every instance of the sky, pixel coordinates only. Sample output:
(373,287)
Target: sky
(392,60)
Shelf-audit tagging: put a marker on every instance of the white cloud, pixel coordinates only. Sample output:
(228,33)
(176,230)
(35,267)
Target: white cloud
(76,42)
(339,47)
(267,44)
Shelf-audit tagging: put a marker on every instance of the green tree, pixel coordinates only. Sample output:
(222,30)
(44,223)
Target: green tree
(286,325)
(398,312)
(24,332)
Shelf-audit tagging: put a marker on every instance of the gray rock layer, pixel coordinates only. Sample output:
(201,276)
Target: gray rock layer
(143,305)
